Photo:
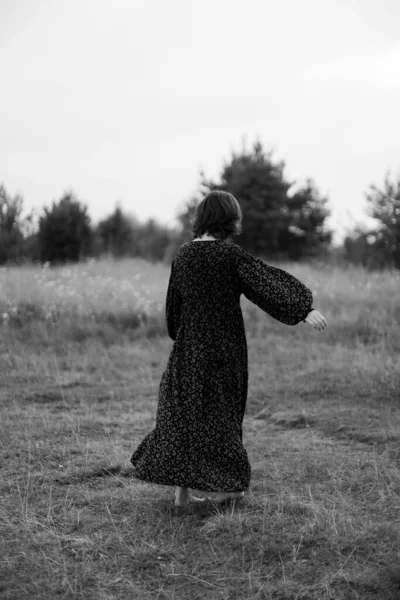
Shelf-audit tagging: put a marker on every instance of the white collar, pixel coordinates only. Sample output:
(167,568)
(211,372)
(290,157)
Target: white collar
(205,236)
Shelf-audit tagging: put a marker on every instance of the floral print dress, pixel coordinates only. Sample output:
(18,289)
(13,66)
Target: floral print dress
(197,438)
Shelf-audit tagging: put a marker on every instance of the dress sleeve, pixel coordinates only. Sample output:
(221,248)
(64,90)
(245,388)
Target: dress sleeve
(173,306)
(274,290)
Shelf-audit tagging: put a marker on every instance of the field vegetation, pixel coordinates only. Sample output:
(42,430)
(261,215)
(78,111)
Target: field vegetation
(82,350)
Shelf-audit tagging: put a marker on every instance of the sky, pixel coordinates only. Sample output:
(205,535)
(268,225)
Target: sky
(126,101)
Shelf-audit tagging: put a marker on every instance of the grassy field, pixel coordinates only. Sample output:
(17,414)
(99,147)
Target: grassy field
(82,351)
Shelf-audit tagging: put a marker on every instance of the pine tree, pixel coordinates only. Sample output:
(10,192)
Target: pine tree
(275,223)
(11,237)
(117,234)
(64,231)
(384,206)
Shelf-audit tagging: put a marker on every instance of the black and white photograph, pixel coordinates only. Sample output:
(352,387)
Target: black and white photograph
(199,300)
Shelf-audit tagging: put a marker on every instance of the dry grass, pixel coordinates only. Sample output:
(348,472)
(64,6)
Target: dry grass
(79,391)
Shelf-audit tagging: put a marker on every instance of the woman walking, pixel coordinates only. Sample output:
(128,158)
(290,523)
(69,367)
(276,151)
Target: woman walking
(197,440)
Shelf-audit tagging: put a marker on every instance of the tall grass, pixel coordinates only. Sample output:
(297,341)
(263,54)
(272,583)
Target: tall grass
(352,299)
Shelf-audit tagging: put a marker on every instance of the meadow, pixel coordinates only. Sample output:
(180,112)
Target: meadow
(82,351)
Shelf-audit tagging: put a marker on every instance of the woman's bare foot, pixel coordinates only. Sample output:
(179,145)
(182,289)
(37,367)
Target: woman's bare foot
(227,496)
(183,497)
(221,498)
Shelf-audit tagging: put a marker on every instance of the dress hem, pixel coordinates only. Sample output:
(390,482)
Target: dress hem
(189,484)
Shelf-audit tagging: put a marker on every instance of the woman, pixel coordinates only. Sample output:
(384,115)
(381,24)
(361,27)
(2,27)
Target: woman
(197,439)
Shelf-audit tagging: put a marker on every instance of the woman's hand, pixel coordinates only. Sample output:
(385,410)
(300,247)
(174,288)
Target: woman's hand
(317,320)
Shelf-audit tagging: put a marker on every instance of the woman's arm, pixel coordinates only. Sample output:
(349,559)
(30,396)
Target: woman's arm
(276,291)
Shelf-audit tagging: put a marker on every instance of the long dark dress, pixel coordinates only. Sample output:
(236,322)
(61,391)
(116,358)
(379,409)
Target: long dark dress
(197,439)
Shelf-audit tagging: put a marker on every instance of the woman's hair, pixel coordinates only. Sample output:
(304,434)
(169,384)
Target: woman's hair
(218,214)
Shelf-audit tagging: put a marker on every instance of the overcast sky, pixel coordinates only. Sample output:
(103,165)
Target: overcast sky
(126,100)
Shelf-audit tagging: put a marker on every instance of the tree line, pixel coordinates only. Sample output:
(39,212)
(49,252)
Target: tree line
(281,220)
